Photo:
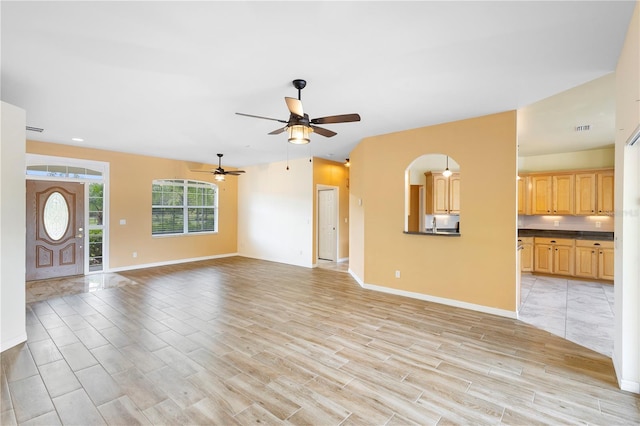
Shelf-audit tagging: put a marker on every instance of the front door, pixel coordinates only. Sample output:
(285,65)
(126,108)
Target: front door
(55,229)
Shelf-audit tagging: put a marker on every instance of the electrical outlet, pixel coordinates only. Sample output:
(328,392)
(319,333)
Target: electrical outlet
(556,223)
(134,254)
(598,224)
(397,274)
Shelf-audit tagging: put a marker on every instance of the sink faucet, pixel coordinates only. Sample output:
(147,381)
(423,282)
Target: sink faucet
(433,225)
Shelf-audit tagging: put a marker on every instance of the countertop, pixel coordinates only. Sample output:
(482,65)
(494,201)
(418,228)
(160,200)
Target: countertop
(576,235)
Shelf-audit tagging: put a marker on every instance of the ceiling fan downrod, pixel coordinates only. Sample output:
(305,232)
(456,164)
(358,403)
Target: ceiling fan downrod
(299,84)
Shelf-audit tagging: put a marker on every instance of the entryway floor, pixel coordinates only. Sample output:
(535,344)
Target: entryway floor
(579,311)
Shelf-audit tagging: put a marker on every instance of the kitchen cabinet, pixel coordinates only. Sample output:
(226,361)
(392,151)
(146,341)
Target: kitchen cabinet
(562,194)
(585,194)
(526,254)
(523,195)
(442,193)
(605,192)
(579,192)
(594,259)
(554,255)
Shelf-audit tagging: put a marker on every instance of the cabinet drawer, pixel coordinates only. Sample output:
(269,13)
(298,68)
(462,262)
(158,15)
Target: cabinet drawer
(594,243)
(556,241)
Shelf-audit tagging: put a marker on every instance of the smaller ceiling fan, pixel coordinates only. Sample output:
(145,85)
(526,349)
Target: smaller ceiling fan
(219,173)
(299,126)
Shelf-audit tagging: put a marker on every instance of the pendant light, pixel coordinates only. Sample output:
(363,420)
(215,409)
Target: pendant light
(447,172)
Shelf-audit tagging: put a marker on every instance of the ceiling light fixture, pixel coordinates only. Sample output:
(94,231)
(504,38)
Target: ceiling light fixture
(447,172)
(77,139)
(218,178)
(299,134)
(347,163)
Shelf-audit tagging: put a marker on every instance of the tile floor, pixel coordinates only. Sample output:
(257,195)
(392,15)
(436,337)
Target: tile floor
(579,311)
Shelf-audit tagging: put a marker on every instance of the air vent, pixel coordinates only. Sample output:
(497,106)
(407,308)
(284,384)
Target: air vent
(583,128)
(34,129)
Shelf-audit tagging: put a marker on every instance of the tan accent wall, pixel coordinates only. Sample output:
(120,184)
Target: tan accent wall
(479,267)
(130,182)
(332,173)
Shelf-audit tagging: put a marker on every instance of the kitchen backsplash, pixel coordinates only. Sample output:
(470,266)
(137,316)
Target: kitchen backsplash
(567,223)
(443,221)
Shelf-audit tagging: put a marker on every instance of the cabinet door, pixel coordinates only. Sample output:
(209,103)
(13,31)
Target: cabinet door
(563,260)
(605,264)
(526,257)
(585,194)
(543,258)
(541,194)
(440,194)
(587,262)
(563,194)
(454,193)
(522,195)
(605,192)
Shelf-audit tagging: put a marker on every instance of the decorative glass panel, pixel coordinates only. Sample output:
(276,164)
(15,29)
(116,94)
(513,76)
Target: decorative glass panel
(56,216)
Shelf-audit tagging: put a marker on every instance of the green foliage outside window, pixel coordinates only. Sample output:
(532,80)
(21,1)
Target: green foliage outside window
(180,207)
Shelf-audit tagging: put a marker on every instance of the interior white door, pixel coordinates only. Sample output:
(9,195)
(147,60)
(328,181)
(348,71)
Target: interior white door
(327,242)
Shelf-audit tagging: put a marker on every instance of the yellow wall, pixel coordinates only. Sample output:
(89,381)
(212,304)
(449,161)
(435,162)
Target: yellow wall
(130,182)
(479,267)
(332,173)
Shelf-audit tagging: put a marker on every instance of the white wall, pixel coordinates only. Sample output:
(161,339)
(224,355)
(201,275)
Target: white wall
(275,212)
(626,349)
(12,226)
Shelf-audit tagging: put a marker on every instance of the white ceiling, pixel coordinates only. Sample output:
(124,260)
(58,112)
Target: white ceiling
(166,78)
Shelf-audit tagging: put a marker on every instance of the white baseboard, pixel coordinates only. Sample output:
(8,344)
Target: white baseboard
(4,345)
(343,259)
(625,385)
(170,262)
(435,299)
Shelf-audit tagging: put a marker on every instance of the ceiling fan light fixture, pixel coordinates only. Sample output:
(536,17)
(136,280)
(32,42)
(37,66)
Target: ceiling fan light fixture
(347,163)
(299,134)
(218,178)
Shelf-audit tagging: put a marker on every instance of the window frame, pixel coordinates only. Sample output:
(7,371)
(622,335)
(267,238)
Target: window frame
(185,207)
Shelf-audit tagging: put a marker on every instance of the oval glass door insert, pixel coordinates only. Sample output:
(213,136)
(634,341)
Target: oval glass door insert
(56,216)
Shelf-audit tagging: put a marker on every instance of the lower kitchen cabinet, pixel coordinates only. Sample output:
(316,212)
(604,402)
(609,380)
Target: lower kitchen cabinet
(526,254)
(594,259)
(554,256)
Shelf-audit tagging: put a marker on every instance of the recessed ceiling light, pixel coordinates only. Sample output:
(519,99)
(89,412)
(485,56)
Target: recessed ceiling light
(77,139)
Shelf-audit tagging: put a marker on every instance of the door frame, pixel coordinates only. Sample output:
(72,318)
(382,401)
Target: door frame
(336,206)
(99,166)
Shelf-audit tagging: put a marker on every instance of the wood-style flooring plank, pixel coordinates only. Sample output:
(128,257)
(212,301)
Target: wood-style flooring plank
(236,341)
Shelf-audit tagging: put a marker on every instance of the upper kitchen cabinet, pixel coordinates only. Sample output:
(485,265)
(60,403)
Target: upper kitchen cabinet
(586,193)
(594,193)
(552,194)
(442,193)
(605,192)
(579,192)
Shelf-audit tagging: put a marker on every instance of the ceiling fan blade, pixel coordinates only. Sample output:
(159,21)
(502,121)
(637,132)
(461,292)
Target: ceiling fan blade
(278,131)
(234,173)
(201,171)
(258,116)
(344,118)
(295,106)
(324,132)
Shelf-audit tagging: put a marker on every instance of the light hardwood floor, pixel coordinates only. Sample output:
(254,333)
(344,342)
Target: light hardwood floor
(241,341)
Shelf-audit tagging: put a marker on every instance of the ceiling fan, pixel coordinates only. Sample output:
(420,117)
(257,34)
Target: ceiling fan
(219,173)
(299,126)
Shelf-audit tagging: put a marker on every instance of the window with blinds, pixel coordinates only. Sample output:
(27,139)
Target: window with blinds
(183,207)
